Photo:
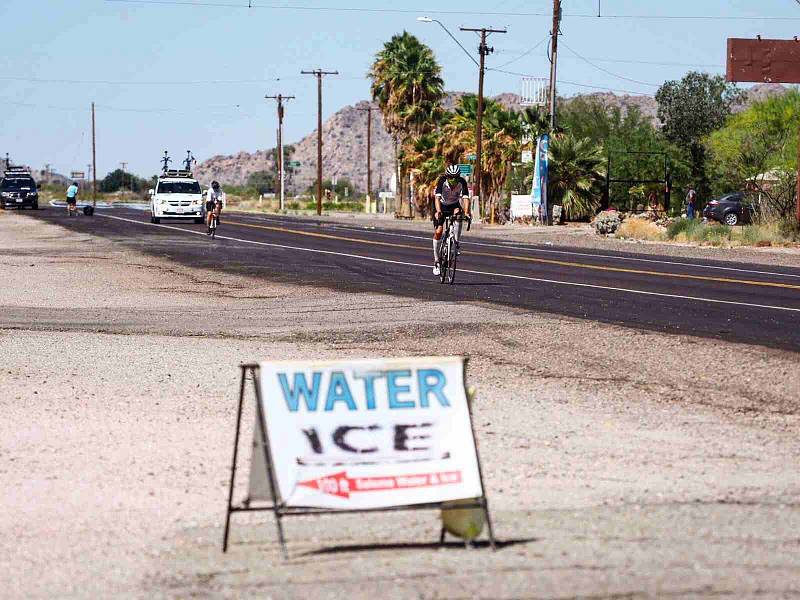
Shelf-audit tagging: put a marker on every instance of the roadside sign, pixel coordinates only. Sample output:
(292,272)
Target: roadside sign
(521,206)
(370,434)
(77,175)
(385,195)
(293,163)
(472,157)
(466,170)
(527,156)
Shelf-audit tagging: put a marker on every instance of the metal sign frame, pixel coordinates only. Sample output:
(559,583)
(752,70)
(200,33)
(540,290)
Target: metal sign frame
(533,91)
(280,510)
(665,182)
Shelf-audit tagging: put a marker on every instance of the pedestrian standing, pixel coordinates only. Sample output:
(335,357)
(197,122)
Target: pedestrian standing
(72,199)
(691,202)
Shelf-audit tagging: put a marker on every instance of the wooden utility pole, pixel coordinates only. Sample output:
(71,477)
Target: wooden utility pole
(483,50)
(94,162)
(369,110)
(319,74)
(554,60)
(280,98)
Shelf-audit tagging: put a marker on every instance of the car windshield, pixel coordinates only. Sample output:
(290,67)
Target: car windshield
(17,183)
(178,187)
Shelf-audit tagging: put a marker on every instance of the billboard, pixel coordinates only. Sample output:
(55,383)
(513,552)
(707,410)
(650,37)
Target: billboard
(761,60)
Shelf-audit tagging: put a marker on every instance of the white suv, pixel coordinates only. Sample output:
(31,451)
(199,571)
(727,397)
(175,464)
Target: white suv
(177,195)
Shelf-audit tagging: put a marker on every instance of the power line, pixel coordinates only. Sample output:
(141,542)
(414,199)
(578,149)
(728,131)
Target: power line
(599,68)
(252,5)
(526,53)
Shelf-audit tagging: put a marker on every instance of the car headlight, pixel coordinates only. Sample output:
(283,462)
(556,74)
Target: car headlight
(5,194)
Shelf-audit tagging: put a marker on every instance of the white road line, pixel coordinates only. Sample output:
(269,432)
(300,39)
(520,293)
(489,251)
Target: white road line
(427,266)
(507,246)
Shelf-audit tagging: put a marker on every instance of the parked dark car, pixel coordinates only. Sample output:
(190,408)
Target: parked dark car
(18,188)
(730,209)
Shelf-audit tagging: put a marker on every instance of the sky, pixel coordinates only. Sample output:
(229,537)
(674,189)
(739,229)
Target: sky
(192,74)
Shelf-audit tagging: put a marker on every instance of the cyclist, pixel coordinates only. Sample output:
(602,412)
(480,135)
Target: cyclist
(215,202)
(72,199)
(452,198)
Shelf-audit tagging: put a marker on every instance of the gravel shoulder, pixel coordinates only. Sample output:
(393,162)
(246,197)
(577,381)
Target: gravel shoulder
(614,468)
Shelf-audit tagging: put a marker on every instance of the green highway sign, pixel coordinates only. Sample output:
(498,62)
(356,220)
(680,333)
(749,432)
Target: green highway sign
(466,170)
(293,163)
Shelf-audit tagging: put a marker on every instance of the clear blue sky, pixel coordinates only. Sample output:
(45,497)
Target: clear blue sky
(59,56)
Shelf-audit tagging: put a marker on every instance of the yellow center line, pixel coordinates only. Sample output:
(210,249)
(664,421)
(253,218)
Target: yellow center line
(545,261)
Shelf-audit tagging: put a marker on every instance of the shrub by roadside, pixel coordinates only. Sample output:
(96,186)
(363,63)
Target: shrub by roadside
(715,234)
(607,222)
(636,228)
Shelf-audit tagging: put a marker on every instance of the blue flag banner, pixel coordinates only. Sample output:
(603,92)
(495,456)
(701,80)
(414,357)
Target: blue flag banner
(539,191)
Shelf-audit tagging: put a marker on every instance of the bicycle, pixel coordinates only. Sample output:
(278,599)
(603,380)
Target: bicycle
(212,223)
(448,247)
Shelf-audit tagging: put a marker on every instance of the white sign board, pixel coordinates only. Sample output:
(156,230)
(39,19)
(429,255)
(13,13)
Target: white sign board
(366,434)
(521,206)
(527,156)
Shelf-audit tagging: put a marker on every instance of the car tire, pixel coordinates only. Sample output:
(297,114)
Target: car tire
(199,220)
(35,206)
(731,219)
(155,220)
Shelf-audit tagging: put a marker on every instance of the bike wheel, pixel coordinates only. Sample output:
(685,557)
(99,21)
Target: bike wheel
(213,228)
(451,263)
(443,261)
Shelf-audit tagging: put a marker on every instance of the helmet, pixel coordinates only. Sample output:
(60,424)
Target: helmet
(215,185)
(452,171)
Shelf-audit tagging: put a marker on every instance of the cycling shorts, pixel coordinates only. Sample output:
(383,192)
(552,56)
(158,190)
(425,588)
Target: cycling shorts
(210,205)
(447,211)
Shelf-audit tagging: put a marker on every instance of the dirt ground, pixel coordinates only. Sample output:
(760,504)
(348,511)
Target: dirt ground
(617,464)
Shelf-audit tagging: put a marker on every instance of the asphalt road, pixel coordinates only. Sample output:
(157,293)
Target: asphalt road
(756,304)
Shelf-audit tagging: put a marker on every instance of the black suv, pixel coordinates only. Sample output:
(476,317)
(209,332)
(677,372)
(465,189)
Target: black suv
(18,188)
(730,209)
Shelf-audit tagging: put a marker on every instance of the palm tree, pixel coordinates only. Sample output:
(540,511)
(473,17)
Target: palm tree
(407,85)
(577,169)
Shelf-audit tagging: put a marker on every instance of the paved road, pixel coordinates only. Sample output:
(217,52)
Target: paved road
(748,303)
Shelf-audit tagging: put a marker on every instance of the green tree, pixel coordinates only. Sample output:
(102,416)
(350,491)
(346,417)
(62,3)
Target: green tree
(263,182)
(577,170)
(757,150)
(120,180)
(690,110)
(407,85)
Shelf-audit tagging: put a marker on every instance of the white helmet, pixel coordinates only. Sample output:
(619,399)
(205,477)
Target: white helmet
(452,171)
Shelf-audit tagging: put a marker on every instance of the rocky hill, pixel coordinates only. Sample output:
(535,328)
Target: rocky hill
(345,144)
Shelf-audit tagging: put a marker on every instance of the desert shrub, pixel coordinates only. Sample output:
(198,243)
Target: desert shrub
(640,229)
(607,222)
(716,235)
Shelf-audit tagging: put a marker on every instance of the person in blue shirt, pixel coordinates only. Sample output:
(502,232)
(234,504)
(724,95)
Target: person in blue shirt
(72,199)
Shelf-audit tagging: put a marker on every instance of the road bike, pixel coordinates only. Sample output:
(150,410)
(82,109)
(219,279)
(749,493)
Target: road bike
(448,247)
(212,223)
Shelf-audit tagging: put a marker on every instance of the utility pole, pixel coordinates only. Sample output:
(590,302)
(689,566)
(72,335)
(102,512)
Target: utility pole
(369,110)
(319,74)
(554,60)
(124,164)
(281,166)
(94,163)
(47,173)
(483,50)
(8,162)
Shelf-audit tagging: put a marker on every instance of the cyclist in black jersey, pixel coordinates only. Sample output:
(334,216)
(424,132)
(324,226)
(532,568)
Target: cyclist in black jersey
(452,198)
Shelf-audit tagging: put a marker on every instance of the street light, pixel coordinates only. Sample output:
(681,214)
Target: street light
(447,31)
(483,50)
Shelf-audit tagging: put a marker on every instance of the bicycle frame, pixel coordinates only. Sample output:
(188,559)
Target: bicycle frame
(448,247)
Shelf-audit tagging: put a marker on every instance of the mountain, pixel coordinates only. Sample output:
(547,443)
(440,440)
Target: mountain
(345,143)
